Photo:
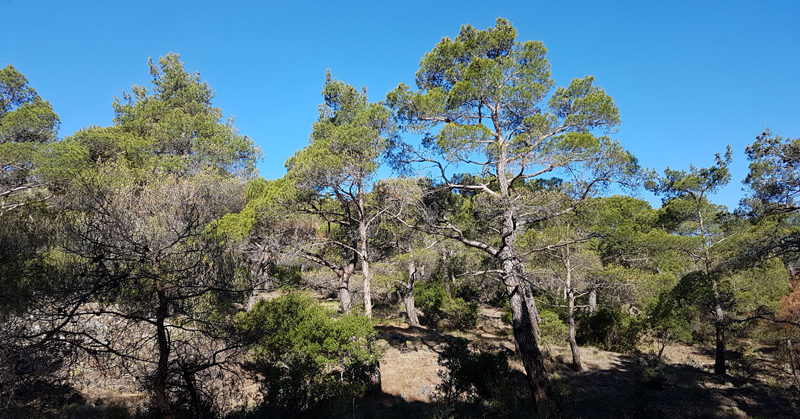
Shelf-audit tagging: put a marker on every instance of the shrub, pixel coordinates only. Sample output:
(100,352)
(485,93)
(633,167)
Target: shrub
(612,330)
(442,312)
(668,322)
(287,278)
(554,330)
(429,296)
(308,353)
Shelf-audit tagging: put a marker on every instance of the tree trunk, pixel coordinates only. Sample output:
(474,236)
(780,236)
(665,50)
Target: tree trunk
(447,277)
(573,344)
(593,301)
(543,394)
(719,354)
(367,288)
(570,292)
(376,388)
(363,255)
(160,378)
(536,319)
(408,296)
(514,280)
(188,378)
(345,298)
(719,328)
(448,284)
(793,363)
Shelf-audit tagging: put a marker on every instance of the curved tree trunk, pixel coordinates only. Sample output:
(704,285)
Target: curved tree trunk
(189,379)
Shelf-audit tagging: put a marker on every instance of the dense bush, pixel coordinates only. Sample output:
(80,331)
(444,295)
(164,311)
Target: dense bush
(308,354)
(554,330)
(668,322)
(442,312)
(612,330)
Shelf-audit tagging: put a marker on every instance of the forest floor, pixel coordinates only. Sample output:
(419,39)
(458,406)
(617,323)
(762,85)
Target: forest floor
(680,384)
(613,385)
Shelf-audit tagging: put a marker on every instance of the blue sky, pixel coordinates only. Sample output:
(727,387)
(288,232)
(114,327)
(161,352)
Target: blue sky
(689,77)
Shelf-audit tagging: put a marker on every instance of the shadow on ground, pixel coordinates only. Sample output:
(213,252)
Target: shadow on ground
(644,387)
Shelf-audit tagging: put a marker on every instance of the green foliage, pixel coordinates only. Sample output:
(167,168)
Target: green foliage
(24,116)
(307,352)
(481,378)
(554,330)
(773,177)
(697,182)
(650,371)
(611,330)
(286,277)
(667,319)
(442,312)
(27,125)
(173,129)
(429,295)
(345,143)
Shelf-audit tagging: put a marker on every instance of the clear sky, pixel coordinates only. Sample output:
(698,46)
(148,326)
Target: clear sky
(689,77)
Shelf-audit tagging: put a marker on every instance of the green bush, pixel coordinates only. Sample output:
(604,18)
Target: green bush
(612,330)
(429,296)
(554,330)
(668,322)
(286,278)
(308,354)
(440,311)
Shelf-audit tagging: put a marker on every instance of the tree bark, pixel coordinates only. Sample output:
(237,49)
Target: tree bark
(160,378)
(345,297)
(376,388)
(447,277)
(593,301)
(363,255)
(573,344)
(536,374)
(719,328)
(188,378)
(719,353)
(408,296)
(536,319)
(514,280)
